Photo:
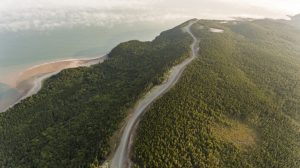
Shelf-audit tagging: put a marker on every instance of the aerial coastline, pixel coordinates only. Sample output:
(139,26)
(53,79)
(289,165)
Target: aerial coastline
(29,81)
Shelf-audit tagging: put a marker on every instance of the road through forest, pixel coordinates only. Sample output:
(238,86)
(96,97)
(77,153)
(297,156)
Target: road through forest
(121,157)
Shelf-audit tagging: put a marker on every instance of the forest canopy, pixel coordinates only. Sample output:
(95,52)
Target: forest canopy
(236,105)
(70,122)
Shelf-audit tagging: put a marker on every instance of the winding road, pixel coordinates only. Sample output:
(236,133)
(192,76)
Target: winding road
(121,157)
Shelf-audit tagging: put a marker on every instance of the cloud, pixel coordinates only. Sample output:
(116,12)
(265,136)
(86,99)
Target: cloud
(44,19)
(277,6)
(18,15)
(50,14)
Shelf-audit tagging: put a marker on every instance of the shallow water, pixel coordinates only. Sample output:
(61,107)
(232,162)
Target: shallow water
(24,49)
(7,95)
(19,50)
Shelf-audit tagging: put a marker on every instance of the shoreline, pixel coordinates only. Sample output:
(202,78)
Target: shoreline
(62,60)
(30,81)
(29,88)
(12,78)
(52,66)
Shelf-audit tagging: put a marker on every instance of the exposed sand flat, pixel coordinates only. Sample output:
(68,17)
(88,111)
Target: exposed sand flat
(25,89)
(29,82)
(9,78)
(54,67)
(12,79)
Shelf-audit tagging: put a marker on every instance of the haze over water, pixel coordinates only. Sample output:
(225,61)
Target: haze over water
(23,49)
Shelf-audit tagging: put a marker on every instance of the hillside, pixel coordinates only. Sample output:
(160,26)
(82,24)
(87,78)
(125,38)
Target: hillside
(237,105)
(70,122)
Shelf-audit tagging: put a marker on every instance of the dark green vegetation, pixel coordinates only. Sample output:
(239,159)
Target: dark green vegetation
(237,105)
(69,123)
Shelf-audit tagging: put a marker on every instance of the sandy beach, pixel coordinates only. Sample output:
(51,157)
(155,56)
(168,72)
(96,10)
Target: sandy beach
(29,81)
(49,67)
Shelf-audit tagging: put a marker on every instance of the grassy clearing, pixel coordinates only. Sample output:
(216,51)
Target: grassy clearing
(239,134)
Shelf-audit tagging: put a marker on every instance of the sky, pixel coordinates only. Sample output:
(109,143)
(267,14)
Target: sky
(48,14)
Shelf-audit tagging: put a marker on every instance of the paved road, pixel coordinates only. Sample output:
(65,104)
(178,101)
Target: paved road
(121,158)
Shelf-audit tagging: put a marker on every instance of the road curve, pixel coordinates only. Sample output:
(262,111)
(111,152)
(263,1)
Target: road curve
(121,158)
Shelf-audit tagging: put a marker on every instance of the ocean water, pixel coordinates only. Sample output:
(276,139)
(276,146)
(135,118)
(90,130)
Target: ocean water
(7,94)
(23,49)
(26,48)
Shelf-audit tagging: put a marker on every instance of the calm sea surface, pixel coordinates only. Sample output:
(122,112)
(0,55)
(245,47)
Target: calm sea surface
(23,49)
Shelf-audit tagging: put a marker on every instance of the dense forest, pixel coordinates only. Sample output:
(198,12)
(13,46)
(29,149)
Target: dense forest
(236,105)
(70,122)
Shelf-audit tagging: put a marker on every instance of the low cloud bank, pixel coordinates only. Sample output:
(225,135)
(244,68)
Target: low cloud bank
(18,15)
